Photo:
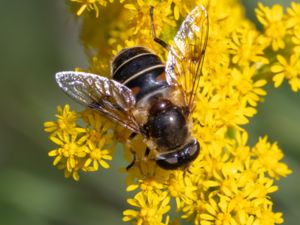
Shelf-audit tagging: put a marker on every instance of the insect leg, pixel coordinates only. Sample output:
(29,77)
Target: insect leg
(147,152)
(132,163)
(131,136)
(186,170)
(155,38)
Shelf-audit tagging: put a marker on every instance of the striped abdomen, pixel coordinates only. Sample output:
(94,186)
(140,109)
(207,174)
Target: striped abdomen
(140,70)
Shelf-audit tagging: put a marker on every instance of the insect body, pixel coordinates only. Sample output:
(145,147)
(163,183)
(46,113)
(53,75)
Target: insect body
(148,97)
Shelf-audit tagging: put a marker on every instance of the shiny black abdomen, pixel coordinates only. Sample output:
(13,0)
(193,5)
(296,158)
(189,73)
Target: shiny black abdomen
(140,70)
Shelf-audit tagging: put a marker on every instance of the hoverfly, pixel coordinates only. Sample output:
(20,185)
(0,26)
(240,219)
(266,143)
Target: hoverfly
(148,97)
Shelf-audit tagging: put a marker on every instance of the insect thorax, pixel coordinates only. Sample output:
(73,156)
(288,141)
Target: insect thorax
(140,70)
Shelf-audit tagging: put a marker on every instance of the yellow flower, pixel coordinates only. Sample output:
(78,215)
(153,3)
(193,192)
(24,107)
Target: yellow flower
(100,125)
(296,39)
(181,187)
(138,25)
(66,121)
(152,208)
(273,21)
(269,155)
(71,153)
(219,214)
(268,217)
(294,15)
(97,156)
(250,90)
(289,70)
(90,5)
(80,148)
(247,46)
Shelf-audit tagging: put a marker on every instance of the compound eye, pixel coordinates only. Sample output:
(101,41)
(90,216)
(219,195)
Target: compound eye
(192,151)
(168,161)
(180,157)
(172,160)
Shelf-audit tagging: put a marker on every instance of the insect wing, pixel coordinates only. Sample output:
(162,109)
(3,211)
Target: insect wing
(186,55)
(108,96)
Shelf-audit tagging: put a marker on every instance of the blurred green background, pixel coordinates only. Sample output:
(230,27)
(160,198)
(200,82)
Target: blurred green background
(39,38)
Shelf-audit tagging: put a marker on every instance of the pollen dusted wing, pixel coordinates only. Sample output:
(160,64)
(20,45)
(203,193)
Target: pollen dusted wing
(100,93)
(186,56)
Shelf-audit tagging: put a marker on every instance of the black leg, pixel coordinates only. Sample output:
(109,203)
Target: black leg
(132,163)
(186,170)
(155,38)
(147,152)
(132,135)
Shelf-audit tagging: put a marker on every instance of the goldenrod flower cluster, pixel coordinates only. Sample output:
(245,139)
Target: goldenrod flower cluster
(80,148)
(230,182)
